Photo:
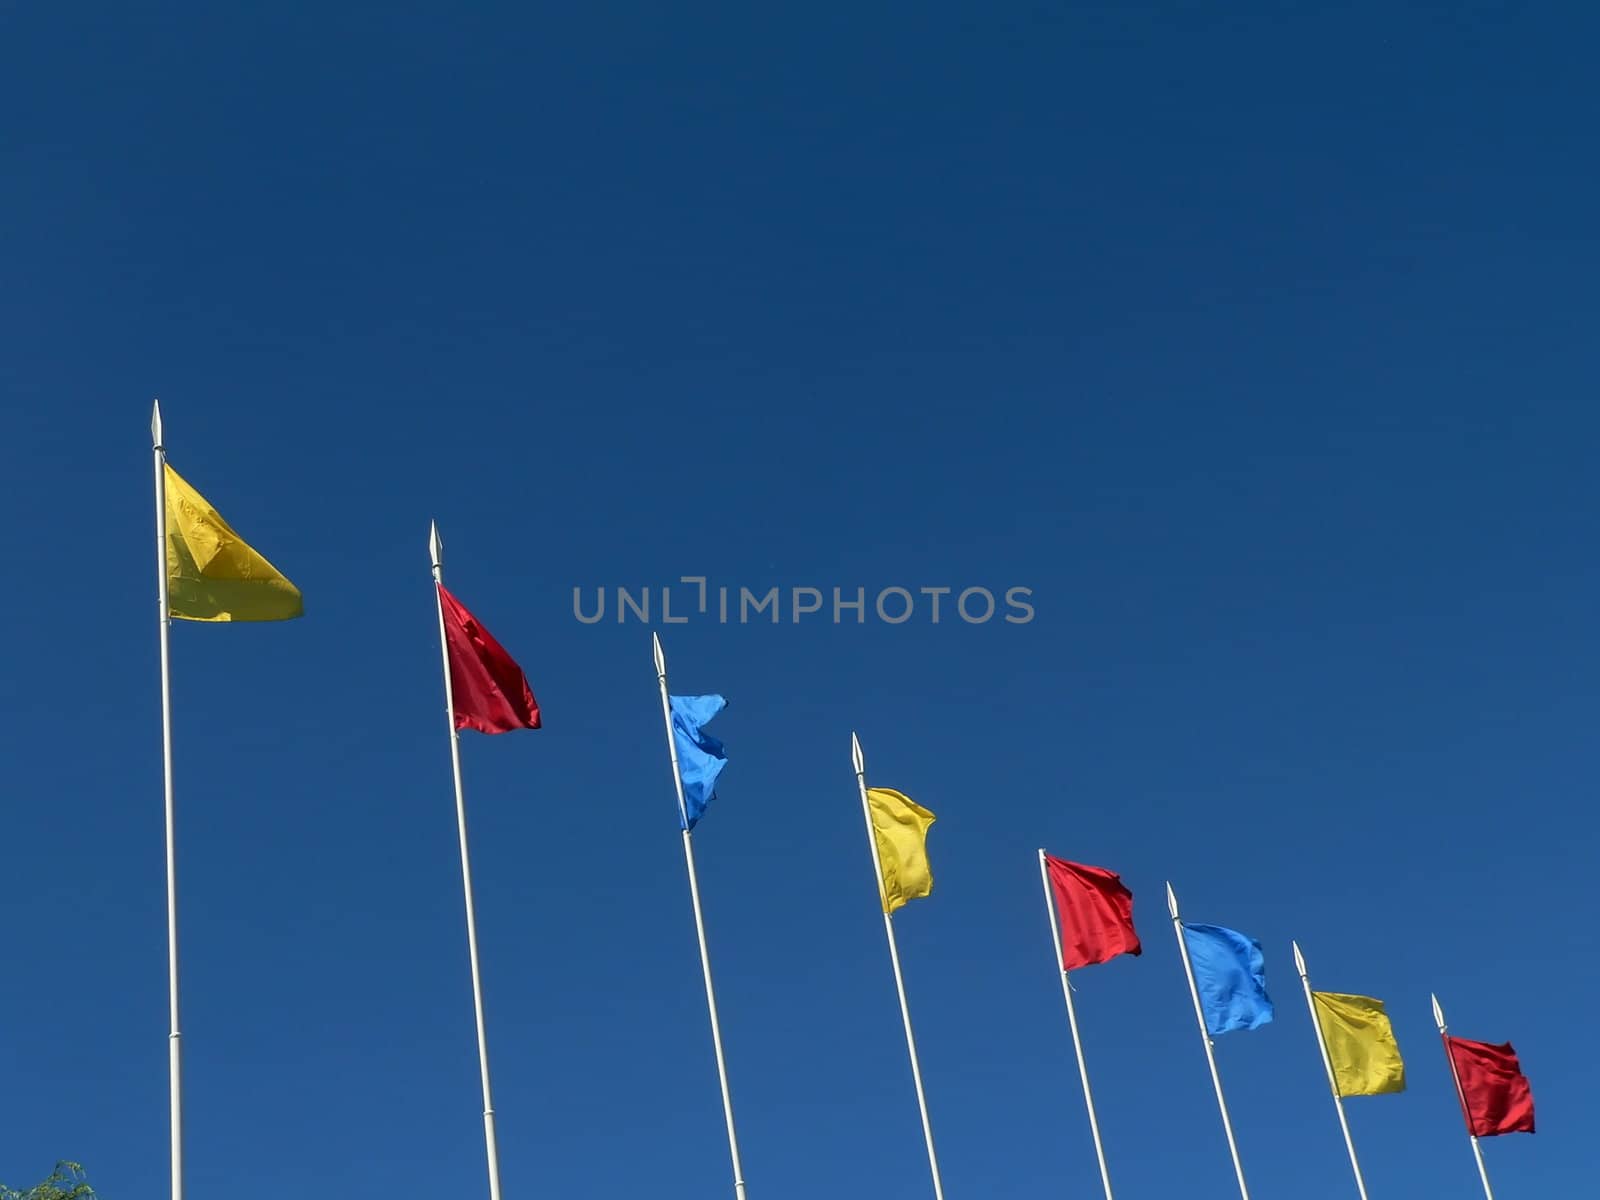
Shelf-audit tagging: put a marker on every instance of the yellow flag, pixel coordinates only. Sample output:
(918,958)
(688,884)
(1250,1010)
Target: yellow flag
(1365,1056)
(212,573)
(900,829)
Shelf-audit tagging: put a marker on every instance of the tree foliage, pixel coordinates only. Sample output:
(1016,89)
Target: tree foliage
(66,1182)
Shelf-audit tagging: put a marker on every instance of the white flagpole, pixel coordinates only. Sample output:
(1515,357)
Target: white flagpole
(491,1146)
(699,926)
(174,1038)
(1333,1082)
(1477,1150)
(1072,1022)
(1205,1039)
(894,959)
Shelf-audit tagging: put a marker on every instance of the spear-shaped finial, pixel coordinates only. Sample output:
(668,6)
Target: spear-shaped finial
(855,753)
(1172,901)
(1438,1013)
(435,548)
(1299,959)
(155,425)
(661,658)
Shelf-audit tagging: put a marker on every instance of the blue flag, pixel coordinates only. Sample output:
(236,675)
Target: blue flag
(700,756)
(1231,975)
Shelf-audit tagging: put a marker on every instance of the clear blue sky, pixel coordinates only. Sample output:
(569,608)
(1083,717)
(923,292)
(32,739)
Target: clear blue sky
(1259,344)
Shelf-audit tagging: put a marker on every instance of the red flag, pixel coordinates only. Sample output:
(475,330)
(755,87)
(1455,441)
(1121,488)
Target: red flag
(490,691)
(1495,1096)
(1096,913)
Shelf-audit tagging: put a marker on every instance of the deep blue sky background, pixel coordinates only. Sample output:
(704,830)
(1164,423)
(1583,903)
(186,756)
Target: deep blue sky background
(1260,344)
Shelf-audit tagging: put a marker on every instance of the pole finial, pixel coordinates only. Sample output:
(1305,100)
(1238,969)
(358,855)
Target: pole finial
(435,546)
(1438,1013)
(1299,959)
(1172,901)
(156,439)
(661,658)
(856,757)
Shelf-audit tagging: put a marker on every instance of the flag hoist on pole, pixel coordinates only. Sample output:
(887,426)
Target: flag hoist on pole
(1494,1093)
(1358,1051)
(897,836)
(205,572)
(697,760)
(1091,921)
(484,689)
(1228,984)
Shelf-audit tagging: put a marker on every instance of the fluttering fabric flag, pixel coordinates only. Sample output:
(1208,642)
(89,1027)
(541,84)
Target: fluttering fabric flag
(1495,1095)
(900,830)
(1231,976)
(488,688)
(700,756)
(212,573)
(1096,913)
(1366,1058)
